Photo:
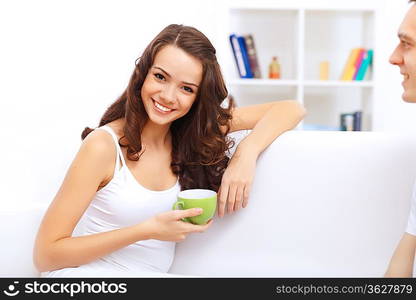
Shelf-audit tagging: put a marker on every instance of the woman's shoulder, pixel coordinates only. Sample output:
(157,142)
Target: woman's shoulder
(98,149)
(102,139)
(98,144)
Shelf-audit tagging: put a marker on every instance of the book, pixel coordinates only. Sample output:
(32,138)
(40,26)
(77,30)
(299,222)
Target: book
(351,121)
(364,68)
(347,122)
(349,68)
(235,46)
(347,64)
(358,62)
(357,121)
(244,54)
(252,55)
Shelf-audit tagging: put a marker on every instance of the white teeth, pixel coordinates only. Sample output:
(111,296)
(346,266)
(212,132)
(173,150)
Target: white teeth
(161,107)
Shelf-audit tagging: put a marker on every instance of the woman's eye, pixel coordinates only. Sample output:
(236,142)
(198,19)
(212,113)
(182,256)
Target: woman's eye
(159,76)
(188,89)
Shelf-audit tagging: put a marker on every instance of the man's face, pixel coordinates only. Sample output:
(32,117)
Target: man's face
(404,56)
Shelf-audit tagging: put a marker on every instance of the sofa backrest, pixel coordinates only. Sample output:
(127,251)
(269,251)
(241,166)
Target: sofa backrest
(323,204)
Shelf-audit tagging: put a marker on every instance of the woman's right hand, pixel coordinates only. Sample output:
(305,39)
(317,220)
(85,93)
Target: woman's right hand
(168,226)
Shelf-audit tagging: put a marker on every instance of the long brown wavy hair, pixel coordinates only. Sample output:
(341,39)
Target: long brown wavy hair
(198,145)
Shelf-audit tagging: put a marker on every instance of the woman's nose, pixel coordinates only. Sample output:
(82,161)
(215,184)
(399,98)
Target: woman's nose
(168,94)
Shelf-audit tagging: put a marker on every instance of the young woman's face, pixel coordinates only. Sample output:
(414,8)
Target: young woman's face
(171,85)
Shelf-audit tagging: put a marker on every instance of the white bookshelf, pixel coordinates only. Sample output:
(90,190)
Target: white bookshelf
(302,35)
(262,82)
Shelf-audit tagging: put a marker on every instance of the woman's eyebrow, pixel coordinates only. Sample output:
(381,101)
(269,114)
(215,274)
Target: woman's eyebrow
(187,83)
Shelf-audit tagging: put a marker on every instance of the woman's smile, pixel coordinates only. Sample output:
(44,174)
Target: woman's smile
(160,108)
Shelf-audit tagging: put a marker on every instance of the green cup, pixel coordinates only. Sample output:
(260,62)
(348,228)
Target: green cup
(197,198)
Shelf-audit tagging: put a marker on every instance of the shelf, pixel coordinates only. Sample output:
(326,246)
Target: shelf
(280,38)
(335,39)
(337,83)
(308,83)
(303,36)
(263,82)
(272,6)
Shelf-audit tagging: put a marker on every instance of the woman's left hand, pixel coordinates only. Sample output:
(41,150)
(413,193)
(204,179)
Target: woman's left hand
(236,182)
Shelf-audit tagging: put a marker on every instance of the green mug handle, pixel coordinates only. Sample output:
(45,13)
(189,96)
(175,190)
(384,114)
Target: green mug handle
(182,204)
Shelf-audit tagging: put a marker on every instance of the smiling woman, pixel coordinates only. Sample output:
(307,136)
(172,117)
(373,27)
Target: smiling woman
(174,72)
(167,132)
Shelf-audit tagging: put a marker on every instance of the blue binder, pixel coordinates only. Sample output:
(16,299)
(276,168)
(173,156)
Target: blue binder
(238,56)
(244,53)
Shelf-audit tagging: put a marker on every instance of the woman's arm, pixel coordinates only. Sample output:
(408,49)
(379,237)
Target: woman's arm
(267,121)
(401,264)
(55,248)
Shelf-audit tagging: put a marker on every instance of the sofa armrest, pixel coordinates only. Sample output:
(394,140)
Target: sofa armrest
(19,225)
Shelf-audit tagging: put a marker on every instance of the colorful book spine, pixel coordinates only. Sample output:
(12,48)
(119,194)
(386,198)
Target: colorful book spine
(367,61)
(349,68)
(358,62)
(244,53)
(252,56)
(238,56)
(347,64)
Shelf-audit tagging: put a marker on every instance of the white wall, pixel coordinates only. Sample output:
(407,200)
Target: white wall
(63,62)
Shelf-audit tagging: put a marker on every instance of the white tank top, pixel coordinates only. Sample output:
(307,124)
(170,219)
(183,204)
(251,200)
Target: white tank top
(124,202)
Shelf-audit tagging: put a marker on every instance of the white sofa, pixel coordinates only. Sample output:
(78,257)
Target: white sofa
(323,204)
